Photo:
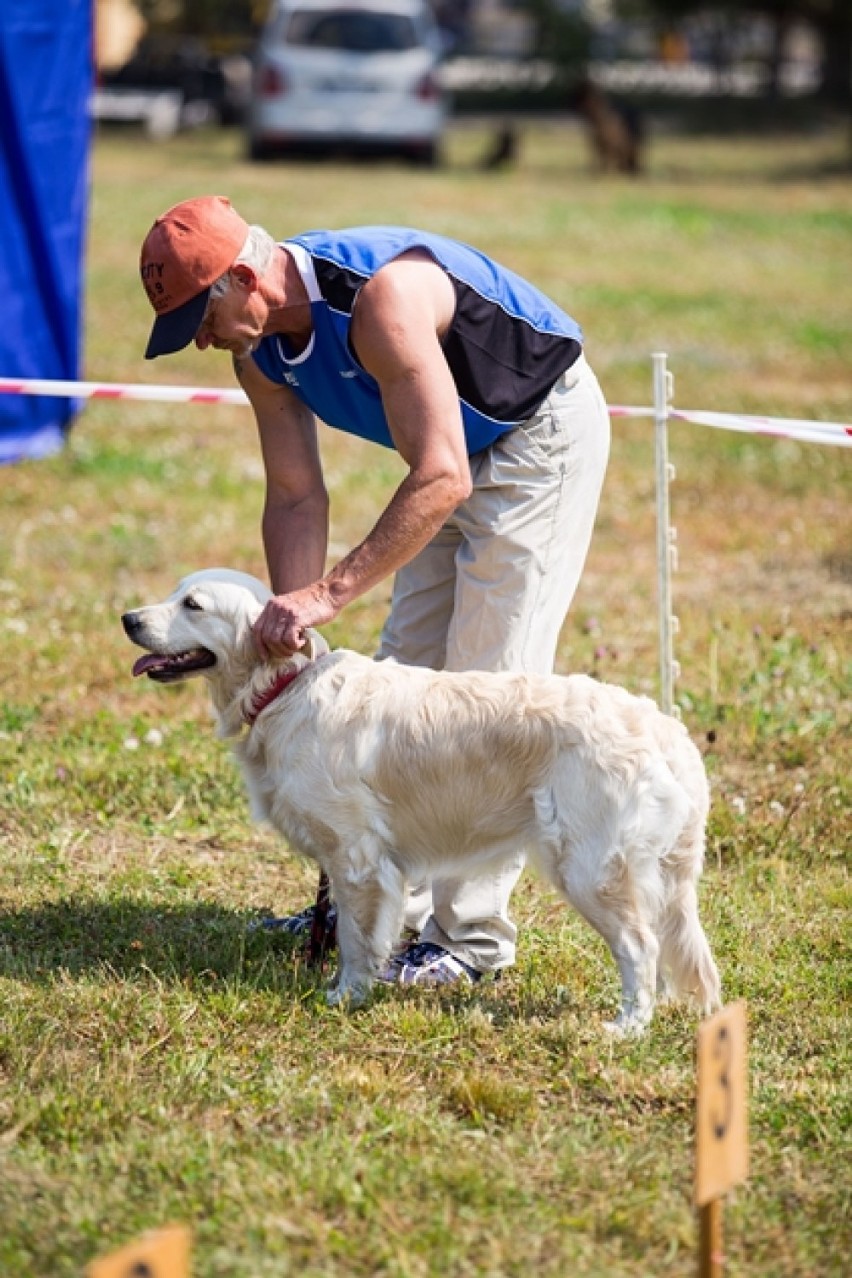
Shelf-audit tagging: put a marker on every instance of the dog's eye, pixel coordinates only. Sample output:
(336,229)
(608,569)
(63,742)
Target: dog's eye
(191,603)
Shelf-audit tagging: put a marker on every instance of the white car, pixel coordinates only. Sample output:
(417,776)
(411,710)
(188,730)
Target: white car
(356,76)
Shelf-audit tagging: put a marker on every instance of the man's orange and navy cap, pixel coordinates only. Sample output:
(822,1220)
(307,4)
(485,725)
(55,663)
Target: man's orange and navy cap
(185,251)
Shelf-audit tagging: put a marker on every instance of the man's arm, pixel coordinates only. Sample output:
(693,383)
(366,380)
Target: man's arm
(295,514)
(399,318)
(396,330)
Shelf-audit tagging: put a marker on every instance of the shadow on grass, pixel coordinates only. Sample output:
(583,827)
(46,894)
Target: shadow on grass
(177,943)
(210,946)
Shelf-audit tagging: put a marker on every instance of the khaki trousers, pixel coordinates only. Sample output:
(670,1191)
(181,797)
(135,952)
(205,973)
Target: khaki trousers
(490,592)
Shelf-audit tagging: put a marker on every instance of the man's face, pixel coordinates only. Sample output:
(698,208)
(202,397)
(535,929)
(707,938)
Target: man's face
(232,322)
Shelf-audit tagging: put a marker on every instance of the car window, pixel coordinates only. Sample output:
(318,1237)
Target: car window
(351,29)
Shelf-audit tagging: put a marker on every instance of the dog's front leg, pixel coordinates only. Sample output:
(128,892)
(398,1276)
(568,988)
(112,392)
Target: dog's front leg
(370,896)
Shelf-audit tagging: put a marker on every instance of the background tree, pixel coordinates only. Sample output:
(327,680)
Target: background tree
(216,21)
(563,36)
(831,19)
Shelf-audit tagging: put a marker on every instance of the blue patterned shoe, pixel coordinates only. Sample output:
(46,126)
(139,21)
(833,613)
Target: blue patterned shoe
(429,965)
(297,925)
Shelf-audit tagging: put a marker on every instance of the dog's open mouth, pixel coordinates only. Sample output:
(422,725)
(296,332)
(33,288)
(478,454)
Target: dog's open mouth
(169,667)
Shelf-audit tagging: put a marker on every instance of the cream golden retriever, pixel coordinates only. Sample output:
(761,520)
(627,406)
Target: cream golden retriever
(386,773)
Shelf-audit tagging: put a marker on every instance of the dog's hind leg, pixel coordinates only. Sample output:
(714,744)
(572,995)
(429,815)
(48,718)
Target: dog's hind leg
(689,964)
(636,950)
(370,898)
(600,885)
(621,917)
(613,874)
(686,958)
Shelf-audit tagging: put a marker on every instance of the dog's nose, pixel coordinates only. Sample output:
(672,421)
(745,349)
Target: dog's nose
(130,621)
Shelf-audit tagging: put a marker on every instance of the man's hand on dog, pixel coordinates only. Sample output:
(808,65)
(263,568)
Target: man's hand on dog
(280,629)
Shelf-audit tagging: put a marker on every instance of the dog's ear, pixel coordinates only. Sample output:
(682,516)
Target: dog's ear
(315,645)
(245,647)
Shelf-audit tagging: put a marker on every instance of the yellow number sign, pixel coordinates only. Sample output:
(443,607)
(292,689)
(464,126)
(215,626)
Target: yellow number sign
(163,1253)
(721,1155)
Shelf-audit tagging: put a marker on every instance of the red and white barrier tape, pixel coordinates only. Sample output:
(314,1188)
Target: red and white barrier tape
(118,390)
(778,427)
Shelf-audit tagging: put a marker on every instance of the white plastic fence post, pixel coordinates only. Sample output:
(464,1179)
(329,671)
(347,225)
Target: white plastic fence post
(666,534)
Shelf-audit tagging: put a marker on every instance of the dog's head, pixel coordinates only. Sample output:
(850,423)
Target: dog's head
(205,623)
(204,628)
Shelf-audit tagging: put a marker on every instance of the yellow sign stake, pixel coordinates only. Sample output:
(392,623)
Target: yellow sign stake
(163,1253)
(721,1130)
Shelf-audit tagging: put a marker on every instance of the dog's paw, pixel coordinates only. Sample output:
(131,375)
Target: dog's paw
(347,997)
(626,1026)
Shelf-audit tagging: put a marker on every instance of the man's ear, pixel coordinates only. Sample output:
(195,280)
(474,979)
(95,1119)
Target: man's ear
(245,276)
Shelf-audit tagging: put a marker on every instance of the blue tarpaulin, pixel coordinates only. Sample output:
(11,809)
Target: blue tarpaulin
(46,77)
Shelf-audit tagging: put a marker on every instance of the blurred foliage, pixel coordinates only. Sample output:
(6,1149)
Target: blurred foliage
(831,19)
(214,20)
(562,35)
(564,32)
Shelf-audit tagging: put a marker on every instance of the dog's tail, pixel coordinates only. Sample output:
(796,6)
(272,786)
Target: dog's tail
(685,958)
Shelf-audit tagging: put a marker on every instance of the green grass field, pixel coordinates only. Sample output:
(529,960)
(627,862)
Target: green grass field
(158,1061)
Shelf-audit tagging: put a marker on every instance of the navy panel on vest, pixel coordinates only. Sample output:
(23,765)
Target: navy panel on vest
(339,285)
(502,366)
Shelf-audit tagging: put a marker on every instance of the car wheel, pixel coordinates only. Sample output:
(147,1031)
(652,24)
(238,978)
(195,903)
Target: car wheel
(426,155)
(259,150)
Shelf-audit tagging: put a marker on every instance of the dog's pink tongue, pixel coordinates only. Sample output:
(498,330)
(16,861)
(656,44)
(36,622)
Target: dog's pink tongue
(145,663)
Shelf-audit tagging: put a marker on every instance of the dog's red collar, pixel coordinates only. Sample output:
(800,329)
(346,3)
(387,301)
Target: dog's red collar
(261,700)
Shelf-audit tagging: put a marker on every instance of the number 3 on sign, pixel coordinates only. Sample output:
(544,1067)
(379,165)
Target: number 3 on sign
(722,1120)
(164,1253)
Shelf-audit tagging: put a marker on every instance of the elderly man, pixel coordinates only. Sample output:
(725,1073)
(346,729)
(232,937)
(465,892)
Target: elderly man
(424,345)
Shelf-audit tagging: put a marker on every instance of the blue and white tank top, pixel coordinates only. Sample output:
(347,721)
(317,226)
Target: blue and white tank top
(506,346)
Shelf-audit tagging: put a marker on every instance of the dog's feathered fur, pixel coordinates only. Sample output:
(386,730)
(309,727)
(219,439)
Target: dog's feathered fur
(386,773)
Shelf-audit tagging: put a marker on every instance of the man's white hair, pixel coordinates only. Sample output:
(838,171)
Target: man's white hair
(257,252)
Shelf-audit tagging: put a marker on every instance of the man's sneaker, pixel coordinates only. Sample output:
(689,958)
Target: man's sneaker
(299,925)
(427,964)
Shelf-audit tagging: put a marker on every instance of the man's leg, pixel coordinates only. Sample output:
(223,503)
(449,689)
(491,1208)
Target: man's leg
(525,534)
(415,634)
